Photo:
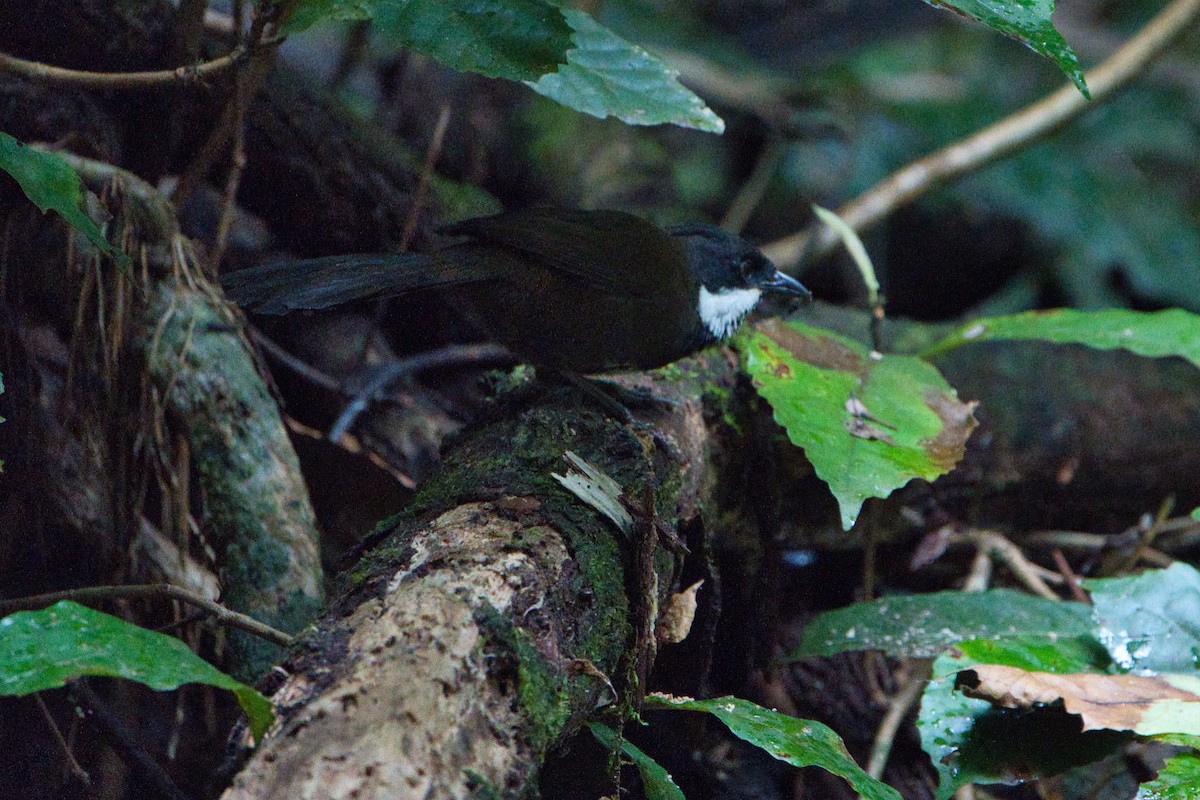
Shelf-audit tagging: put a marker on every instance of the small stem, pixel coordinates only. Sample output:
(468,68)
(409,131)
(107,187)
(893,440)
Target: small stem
(61,76)
(1019,130)
(220,613)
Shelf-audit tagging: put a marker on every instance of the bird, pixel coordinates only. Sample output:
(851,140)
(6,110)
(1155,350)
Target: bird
(576,291)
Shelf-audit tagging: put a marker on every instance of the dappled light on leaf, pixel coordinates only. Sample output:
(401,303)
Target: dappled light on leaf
(924,625)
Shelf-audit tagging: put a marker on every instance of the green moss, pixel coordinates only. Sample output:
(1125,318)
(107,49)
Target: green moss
(483,789)
(722,399)
(604,629)
(543,690)
(385,557)
(520,454)
(674,372)
(252,563)
(532,539)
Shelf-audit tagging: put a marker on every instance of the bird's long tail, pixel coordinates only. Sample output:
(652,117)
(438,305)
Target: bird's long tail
(318,283)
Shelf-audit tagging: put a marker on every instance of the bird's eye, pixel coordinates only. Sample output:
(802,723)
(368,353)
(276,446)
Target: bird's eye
(746,268)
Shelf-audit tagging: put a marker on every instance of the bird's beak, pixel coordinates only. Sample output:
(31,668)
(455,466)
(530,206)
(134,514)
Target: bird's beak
(786,284)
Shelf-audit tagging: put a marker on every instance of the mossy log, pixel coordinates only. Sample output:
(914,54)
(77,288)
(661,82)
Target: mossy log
(496,615)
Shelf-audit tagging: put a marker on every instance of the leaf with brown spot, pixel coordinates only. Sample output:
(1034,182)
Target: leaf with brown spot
(815,380)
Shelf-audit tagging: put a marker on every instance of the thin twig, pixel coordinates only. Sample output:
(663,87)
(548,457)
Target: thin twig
(980,575)
(124,742)
(61,76)
(1077,593)
(436,142)
(76,768)
(219,612)
(1146,539)
(297,365)
(247,84)
(898,707)
(451,355)
(261,54)
(1030,574)
(755,187)
(432,152)
(1010,134)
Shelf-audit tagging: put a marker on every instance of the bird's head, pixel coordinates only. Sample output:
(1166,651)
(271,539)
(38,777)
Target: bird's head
(732,275)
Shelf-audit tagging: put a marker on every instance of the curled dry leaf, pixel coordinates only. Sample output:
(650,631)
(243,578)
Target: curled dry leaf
(675,622)
(1146,705)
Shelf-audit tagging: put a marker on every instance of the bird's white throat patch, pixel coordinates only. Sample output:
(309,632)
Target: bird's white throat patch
(721,312)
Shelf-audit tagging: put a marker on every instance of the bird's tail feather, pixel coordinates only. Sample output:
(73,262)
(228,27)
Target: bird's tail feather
(318,283)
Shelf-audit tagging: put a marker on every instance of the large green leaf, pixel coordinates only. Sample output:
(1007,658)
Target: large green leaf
(925,625)
(969,741)
(1150,622)
(513,39)
(606,76)
(44,649)
(869,423)
(50,183)
(563,54)
(799,742)
(1027,21)
(1173,332)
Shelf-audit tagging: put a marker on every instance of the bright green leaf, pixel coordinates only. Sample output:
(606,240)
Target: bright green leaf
(1148,622)
(799,742)
(869,423)
(944,724)
(1027,21)
(1179,779)
(924,625)
(969,741)
(1049,651)
(50,183)
(657,783)
(512,39)
(606,76)
(44,649)
(1173,332)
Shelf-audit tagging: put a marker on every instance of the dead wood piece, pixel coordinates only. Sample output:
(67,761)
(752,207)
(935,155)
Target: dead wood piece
(156,393)
(256,504)
(427,705)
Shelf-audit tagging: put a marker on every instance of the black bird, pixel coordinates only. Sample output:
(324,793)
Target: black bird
(577,291)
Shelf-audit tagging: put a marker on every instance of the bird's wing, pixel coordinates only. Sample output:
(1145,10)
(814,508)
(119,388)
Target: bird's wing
(317,283)
(611,251)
